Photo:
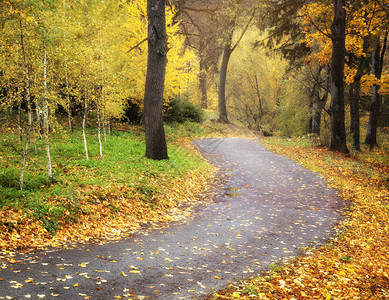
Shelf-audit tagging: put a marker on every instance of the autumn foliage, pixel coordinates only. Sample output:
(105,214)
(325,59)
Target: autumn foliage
(103,199)
(353,265)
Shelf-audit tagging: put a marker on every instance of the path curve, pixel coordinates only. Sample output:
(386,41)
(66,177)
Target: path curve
(269,208)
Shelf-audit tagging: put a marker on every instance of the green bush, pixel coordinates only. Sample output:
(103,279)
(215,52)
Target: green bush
(9,178)
(180,111)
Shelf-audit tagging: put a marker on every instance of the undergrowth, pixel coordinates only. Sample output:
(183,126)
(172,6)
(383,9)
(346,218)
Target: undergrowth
(92,198)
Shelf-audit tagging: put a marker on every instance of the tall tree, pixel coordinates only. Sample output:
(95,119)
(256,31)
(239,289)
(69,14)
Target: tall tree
(319,99)
(198,25)
(338,37)
(156,147)
(233,15)
(46,118)
(376,70)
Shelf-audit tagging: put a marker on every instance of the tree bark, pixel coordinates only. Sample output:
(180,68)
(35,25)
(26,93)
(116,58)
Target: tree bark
(371,135)
(156,147)
(19,99)
(203,82)
(227,51)
(99,93)
(338,35)
(355,91)
(85,115)
(376,69)
(69,108)
(46,119)
(318,102)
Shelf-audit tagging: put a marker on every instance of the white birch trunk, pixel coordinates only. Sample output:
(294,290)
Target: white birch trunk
(99,123)
(46,119)
(85,112)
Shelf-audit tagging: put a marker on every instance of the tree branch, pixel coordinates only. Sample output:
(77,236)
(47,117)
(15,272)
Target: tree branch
(137,45)
(244,30)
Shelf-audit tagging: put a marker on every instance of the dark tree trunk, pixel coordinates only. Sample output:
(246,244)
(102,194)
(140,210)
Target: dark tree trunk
(227,51)
(355,91)
(156,147)
(338,35)
(354,95)
(203,82)
(371,135)
(354,110)
(319,102)
(376,69)
(316,116)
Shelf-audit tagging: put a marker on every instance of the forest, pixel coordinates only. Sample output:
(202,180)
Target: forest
(100,100)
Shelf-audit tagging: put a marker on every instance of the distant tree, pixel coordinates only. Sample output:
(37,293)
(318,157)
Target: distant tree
(156,147)
(319,96)
(198,25)
(233,30)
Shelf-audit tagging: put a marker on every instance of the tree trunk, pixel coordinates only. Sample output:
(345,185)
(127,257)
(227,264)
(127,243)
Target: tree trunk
(29,110)
(376,69)
(203,82)
(98,97)
(316,117)
(9,96)
(354,111)
(319,103)
(156,147)
(338,35)
(258,95)
(100,103)
(227,51)
(84,118)
(85,115)
(19,99)
(46,119)
(69,108)
(104,122)
(371,135)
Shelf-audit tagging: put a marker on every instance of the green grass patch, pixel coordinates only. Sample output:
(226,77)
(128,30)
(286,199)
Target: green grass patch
(123,164)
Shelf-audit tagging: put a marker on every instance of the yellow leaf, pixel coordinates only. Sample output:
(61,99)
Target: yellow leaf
(217,277)
(76,284)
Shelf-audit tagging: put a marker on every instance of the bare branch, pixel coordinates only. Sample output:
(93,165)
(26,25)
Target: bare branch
(137,45)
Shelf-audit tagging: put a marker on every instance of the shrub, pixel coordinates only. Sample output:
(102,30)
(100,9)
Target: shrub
(133,112)
(178,110)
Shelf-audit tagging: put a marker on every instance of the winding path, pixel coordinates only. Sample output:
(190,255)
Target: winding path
(268,209)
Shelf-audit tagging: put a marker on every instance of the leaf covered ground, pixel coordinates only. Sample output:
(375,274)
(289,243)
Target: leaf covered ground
(97,198)
(355,264)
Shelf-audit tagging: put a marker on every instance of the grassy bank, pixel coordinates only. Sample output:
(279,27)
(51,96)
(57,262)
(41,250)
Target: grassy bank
(95,198)
(355,264)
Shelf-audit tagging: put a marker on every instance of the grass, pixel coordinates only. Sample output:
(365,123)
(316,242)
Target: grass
(123,183)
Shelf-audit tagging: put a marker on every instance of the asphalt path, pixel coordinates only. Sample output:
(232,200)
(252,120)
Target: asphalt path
(266,209)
